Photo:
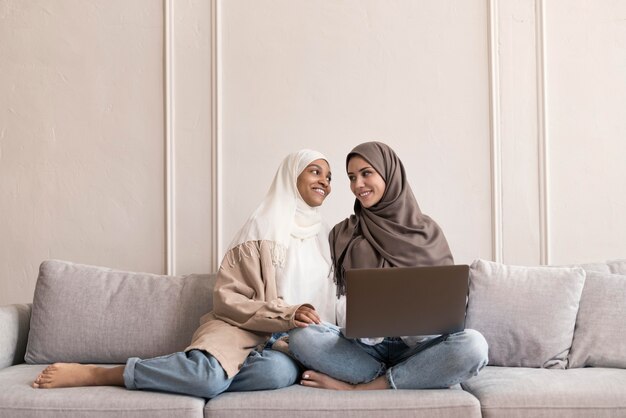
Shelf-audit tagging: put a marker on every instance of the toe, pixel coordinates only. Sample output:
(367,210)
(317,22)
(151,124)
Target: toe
(44,379)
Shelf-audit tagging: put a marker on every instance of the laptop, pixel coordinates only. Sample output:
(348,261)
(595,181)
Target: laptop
(405,301)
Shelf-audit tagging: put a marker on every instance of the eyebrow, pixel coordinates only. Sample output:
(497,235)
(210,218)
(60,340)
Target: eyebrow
(319,167)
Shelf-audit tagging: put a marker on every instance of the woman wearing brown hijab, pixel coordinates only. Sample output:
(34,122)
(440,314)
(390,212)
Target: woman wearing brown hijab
(387,229)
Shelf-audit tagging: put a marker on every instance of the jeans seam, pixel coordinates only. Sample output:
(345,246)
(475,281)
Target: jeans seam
(389,378)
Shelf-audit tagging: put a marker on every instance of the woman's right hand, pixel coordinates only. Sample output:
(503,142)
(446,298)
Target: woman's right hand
(305,316)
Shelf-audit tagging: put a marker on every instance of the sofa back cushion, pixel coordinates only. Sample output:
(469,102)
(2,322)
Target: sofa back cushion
(617,266)
(599,338)
(597,267)
(14,322)
(91,314)
(526,314)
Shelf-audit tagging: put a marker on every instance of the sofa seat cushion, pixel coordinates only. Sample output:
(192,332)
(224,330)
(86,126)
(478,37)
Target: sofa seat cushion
(528,392)
(299,401)
(18,399)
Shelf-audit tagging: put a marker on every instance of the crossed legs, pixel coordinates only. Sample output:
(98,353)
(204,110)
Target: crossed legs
(336,362)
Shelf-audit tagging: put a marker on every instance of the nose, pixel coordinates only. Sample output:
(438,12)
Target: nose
(323,181)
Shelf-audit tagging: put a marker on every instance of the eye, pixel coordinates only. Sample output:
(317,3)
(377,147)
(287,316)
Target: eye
(366,173)
(352,178)
(329,178)
(315,171)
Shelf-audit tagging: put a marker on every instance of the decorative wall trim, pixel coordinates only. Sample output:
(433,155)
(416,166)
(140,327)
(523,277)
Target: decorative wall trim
(542,135)
(216,149)
(495,132)
(170,196)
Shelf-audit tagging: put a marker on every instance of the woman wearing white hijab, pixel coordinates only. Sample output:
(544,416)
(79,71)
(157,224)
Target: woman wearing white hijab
(273,278)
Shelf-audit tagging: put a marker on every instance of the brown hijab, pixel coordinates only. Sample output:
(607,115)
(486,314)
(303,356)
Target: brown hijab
(392,233)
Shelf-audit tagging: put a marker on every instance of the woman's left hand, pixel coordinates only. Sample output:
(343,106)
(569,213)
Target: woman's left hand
(305,316)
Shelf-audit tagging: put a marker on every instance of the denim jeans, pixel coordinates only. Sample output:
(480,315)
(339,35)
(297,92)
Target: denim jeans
(199,374)
(439,362)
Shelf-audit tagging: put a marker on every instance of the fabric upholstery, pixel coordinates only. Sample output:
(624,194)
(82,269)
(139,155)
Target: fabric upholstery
(19,400)
(14,324)
(600,337)
(91,314)
(526,314)
(597,267)
(518,392)
(298,401)
(617,266)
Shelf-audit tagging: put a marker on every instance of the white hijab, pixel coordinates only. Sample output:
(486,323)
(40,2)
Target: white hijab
(282,213)
(283,218)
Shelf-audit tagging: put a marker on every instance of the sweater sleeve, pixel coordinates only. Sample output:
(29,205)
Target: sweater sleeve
(245,293)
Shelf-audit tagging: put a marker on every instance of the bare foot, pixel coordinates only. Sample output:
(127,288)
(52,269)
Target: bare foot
(63,375)
(320,380)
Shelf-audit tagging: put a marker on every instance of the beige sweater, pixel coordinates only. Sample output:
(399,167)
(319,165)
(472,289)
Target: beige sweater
(246,307)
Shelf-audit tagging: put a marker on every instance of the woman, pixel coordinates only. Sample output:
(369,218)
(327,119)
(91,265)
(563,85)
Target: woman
(274,277)
(387,230)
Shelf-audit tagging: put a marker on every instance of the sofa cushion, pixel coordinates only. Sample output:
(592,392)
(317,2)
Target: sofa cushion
(518,392)
(599,337)
(597,267)
(18,399)
(617,266)
(14,323)
(526,314)
(91,314)
(299,401)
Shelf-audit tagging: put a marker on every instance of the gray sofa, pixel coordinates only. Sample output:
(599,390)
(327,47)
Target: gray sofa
(557,347)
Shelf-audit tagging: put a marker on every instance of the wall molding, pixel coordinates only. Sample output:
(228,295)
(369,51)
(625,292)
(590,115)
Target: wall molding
(542,135)
(169,109)
(216,149)
(495,127)
(170,189)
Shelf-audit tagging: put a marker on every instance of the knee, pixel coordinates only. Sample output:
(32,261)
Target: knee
(209,378)
(476,349)
(275,369)
(284,373)
(303,339)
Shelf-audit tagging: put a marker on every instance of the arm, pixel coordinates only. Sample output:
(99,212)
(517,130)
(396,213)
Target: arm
(245,294)
(14,327)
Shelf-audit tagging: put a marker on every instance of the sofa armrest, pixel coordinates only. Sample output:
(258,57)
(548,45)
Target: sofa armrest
(14,326)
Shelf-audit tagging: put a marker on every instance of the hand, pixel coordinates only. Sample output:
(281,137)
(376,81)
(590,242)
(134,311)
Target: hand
(305,316)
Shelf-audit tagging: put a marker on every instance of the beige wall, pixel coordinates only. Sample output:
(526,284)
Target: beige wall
(412,74)
(104,154)
(509,115)
(114,117)
(586,101)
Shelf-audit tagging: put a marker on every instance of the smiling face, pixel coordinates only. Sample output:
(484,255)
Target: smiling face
(314,183)
(367,185)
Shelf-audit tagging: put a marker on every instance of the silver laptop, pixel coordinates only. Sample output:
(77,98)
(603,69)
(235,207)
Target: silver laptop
(405,301)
